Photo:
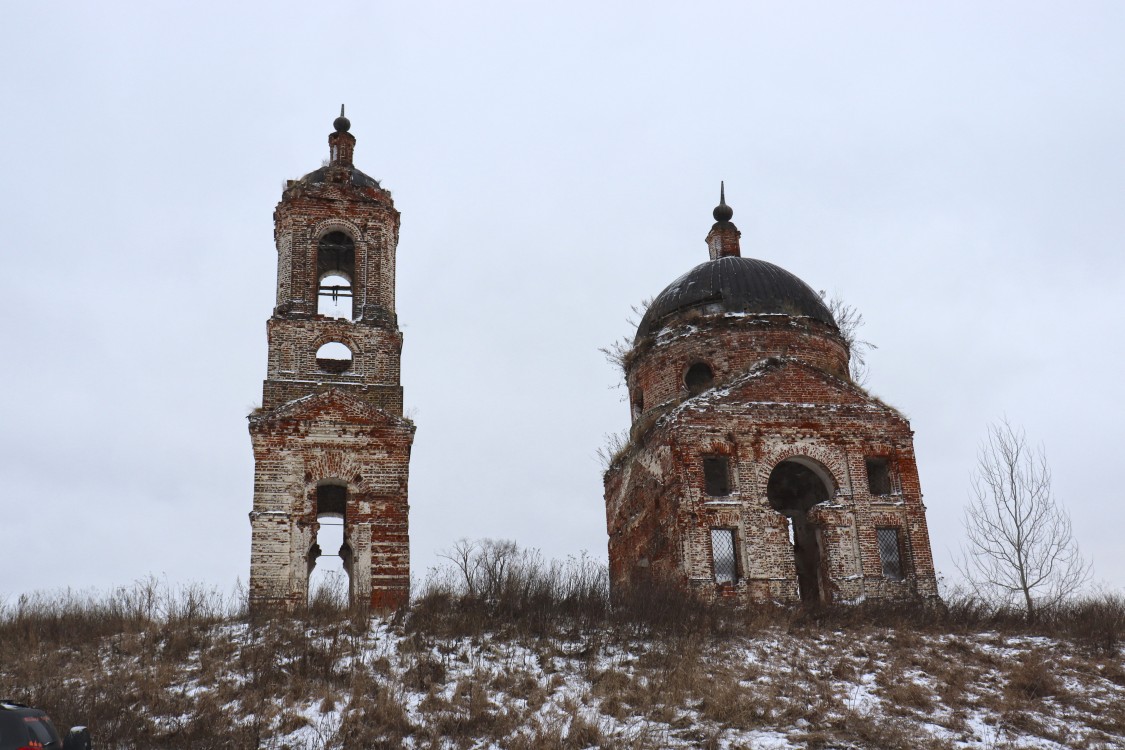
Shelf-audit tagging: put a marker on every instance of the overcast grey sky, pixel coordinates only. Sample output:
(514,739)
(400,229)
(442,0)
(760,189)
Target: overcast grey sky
(953,169)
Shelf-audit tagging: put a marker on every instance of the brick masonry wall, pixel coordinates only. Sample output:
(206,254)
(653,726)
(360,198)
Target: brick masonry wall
(758,414)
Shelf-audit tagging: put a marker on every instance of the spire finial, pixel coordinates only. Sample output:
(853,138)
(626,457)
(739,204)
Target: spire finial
(722,212)
(341,123)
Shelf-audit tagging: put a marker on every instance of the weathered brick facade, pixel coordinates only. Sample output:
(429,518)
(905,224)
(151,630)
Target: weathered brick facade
(756,469)
(330,438)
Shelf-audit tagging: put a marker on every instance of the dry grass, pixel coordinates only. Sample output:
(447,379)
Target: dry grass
(1034,677)
(539,656)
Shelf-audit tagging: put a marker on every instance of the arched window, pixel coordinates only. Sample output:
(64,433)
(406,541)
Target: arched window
(334,357)
(335,269)
(699,377)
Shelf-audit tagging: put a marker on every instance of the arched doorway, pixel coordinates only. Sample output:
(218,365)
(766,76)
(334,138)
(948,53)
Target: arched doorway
(330,556)
(795,486)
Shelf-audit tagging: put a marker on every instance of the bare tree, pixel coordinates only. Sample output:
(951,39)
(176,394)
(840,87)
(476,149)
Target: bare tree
(1019,544)
(486,566)
(466,557)
(849,320)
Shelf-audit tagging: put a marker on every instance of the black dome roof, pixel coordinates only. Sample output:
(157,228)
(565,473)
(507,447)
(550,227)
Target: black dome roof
(359,179)
(739,285)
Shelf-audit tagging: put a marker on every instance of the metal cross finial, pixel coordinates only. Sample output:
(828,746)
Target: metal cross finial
(722,212)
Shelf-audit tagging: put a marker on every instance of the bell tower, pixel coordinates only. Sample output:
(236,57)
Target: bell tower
(330,440)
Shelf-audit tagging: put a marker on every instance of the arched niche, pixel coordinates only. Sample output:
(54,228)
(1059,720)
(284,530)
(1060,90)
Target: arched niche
(795,486)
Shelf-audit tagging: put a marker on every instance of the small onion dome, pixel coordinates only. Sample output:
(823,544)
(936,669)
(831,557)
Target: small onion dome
(722,212)
(343,124)
(736,285)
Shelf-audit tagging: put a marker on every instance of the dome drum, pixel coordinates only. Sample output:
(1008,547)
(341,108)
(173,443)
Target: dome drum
(730,346)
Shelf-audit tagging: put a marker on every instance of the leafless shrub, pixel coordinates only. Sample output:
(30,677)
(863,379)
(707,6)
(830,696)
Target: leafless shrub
(656,606)
(1096,622)
(497,585)
(619,352)
(849,320)
(616,443)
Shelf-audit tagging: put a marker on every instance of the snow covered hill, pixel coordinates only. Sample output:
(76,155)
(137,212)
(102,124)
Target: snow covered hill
(447,674)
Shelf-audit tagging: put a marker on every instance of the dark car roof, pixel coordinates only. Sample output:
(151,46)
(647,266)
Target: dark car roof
(15,729)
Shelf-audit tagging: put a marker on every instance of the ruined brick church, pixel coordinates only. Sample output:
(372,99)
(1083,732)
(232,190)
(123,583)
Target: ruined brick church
(756,469)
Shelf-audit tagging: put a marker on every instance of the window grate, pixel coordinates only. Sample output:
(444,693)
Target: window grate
(890,552)
(722,555)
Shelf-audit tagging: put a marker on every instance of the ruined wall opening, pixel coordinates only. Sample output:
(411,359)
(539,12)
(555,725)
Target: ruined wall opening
(638,403)
(335,269)
(795,486)
(335,357)
(699,377)
(334,298)
(330,555)
(716,476)
(880,479)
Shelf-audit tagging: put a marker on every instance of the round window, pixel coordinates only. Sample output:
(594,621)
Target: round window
(699,377)
(334,357)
